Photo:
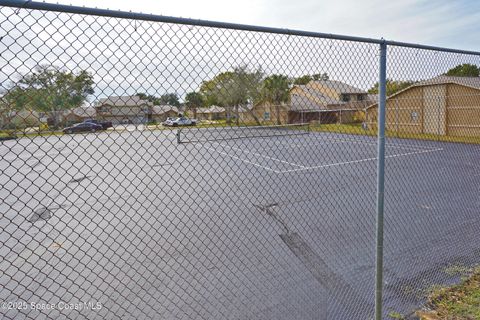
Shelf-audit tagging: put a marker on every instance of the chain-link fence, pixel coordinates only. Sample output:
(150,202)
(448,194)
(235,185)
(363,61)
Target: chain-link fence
(162,168)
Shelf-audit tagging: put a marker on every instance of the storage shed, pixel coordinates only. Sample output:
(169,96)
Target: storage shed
(443,105)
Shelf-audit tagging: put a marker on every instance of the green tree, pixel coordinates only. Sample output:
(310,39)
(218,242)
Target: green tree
(143,96)
(170,99)
(307,78)
(276,90)
(50,89)
(393,86)
(233,89)
(210,89)
(303,80)
(193,101)
(320,76)
(464,70)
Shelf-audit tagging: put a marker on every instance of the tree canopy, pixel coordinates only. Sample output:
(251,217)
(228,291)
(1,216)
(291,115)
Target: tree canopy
(193,101)
(49,88)
(464,70)
(276,90)
(302,80)
(171,99)
(393,86)
(233,89)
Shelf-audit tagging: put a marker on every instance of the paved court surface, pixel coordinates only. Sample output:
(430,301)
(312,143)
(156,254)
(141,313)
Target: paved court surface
(264,228)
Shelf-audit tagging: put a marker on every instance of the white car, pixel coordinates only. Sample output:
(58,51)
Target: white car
(178,122)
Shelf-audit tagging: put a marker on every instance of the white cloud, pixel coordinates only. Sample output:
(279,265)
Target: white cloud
(159,58)
(437,22)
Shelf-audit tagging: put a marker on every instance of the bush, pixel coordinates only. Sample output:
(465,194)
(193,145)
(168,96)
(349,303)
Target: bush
(359,116)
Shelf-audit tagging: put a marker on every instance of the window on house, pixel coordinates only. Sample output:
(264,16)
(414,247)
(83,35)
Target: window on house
(266,116)
(345,97)
(361,97)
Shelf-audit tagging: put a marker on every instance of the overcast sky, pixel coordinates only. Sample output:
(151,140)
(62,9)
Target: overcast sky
(126,57)
(451,23)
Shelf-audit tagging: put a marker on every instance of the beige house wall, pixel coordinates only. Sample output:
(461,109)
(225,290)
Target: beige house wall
(260,111)
(404,112)
(463,112)
(434,109)
(449,109)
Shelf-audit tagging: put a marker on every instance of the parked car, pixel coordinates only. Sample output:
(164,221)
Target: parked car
(83,127)
(181,121)
(169,120)
(104,124)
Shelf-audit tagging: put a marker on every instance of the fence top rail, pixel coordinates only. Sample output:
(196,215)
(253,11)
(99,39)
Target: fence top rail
(36,5)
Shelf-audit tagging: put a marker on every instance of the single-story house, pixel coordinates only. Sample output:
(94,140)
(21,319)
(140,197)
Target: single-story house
(78,114)
(443,105)
(124,110)
(211,113)
(325,101)
(162,112)
(19,119)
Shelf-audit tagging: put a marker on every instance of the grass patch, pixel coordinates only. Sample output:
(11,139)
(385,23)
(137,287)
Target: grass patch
(4,134)
(342,128)
(457,302)
(396,315)
(357,129)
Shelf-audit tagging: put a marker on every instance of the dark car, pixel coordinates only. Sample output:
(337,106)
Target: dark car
(104,124)
(83,127)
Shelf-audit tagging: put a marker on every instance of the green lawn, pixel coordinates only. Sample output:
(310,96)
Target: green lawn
(458,302)
(357,129)
(337,128)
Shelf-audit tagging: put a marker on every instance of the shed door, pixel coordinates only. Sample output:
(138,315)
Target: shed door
(434,98)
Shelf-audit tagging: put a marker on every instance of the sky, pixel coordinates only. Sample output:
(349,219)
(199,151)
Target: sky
(450,23)
(128,56)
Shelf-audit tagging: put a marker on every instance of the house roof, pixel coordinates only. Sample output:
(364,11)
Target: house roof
(472,82)
(161,109)
(82,111)
(246,108)
(319,97)
(372,97)
(211,109)
(123,101)
(338,86)
(302,103)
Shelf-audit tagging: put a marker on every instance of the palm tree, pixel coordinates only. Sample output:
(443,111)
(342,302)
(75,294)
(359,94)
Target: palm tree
(276,90)
(193,101)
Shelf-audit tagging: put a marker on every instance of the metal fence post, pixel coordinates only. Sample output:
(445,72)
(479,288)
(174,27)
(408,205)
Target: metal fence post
(179,140)
(380,180)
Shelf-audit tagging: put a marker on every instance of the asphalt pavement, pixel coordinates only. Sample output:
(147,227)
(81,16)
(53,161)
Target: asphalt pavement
(256,228)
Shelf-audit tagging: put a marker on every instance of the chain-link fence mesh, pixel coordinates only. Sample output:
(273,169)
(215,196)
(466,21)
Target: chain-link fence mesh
(155,170)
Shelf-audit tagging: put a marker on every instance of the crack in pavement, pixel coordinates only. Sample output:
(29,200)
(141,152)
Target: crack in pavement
(341,291)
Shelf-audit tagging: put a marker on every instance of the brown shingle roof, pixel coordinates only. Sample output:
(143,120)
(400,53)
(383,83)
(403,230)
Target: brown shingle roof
(302,103)
(338,86)
(473,82)
(164,109)
(211,109)
(319,97)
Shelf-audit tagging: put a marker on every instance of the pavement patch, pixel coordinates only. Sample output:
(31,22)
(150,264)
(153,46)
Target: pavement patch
(40,214)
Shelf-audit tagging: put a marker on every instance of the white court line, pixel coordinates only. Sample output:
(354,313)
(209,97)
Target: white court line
(261,155)
(324,165)
(249,162)
(388,145)
(393,145)
(361,160)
